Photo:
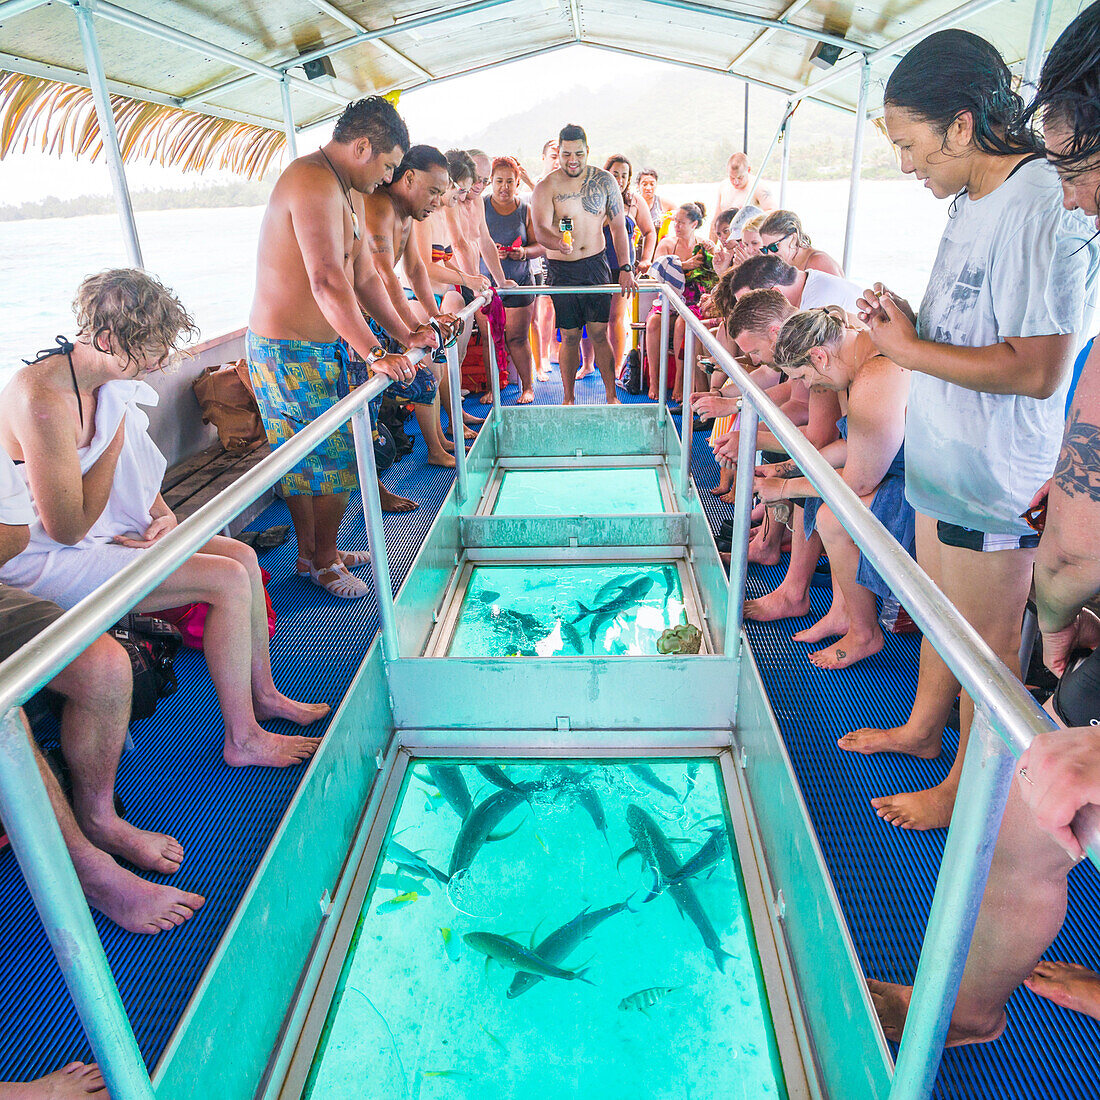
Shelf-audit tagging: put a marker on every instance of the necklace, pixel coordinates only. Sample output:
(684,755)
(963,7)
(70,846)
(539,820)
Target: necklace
(347,196)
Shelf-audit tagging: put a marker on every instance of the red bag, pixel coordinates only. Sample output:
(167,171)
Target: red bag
(190,619)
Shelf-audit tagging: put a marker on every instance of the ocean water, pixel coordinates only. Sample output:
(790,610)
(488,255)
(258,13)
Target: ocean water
(668,1007)
(560,610)
(209,256)
(579,492)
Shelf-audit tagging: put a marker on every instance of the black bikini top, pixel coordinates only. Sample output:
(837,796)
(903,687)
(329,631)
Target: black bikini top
(64,347)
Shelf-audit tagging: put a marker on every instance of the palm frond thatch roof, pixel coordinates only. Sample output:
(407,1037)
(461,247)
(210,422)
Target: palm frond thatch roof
(58,118)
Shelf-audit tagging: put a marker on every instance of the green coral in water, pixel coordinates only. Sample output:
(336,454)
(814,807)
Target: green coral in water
(685,638)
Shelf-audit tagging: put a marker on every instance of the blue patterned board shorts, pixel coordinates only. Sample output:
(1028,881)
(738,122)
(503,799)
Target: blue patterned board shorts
(420,390)
(295,381)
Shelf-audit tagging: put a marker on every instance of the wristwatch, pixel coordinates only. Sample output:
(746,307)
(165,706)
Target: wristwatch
(627,267)
(376,353)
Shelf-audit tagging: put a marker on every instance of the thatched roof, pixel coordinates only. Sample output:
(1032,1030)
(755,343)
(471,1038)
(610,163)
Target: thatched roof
(59,118)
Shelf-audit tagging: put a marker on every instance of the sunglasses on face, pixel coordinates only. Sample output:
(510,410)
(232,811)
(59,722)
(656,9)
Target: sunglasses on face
(773,248)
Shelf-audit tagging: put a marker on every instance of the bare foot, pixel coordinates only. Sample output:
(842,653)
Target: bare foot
(279,705)
(1067,984)
(652,395)
(721,490)
(613,399)
(469,433)
(441,459)
(831,625)
(919,810)
(259,748)
(131,902)
(486,398)
(469,418)
(147,850)
(71,1081)
(585,372)
(525,398)
(762,552)
(391,502)
(907,740)
(850,649)
(728,497)
(567,402)
(778,604)
(448,446)
(543,374)
(892,1005)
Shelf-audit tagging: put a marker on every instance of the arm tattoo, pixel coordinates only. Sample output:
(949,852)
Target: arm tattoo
(786,469)
(1078,469)
(614,200)
(381,244)
(594,192)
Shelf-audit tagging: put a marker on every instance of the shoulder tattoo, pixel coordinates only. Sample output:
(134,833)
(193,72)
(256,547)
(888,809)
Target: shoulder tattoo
(1078,469)
(594,197)
(381,244)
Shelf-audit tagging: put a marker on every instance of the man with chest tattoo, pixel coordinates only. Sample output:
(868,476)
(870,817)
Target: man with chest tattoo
(419,184)
(570,208)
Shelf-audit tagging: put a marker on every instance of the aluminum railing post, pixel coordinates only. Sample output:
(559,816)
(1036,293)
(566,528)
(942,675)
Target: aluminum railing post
(979,806)
(662,359)
(785,161)
(742,514)
(458,429)
(1036,47)
(376,534)
(686,419)
(767,156)
(108,133)
(494,379)
(288,119)
(857,167)
(51,878)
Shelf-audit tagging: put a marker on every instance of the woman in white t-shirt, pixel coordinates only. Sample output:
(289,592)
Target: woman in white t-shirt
(1011,290)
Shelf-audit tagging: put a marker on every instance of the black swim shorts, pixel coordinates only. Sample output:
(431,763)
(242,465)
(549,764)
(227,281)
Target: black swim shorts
(1077,697)
(574,311)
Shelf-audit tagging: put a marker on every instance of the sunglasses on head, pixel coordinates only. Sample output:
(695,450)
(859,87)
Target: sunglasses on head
(773,248)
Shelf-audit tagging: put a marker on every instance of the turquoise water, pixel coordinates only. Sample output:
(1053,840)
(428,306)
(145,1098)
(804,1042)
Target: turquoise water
(592,492)
(563,610)
(676,1006)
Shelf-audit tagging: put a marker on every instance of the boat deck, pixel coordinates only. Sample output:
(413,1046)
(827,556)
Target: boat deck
(175,780)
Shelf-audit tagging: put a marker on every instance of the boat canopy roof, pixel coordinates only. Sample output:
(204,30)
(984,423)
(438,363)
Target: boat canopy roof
(237,63)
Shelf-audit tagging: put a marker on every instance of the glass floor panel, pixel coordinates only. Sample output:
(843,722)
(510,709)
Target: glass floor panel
(553,930)
(573,492)
(565,610)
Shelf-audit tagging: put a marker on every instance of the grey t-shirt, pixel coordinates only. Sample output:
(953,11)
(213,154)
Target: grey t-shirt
(1013,263)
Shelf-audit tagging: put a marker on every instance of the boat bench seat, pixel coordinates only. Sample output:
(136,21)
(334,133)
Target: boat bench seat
(197,480)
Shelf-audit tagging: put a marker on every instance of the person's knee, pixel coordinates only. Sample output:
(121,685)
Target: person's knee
(228,580)
(571,337)
(103,670)
(828,525)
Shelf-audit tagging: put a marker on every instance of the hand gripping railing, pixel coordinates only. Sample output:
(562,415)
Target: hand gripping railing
(24,803)
(1006,718)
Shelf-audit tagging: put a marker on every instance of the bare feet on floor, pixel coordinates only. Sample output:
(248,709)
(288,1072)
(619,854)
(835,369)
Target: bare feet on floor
(278,705)
(1067,984)
(778,604)
(525,398)
(585,372)
(68,1083)
(850,649)
(919,810)
(762,552)
(130,901)
(486,398)
(907,740)
(892,1004)
(391,502)
(543,374)
(613,399)
(260,748)
(443,458)
(832,624)
(721,491)
(147,850)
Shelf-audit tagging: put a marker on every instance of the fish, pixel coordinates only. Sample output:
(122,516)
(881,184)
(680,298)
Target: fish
(516,630)
(606,612)
(487,596)
(450,945)
(410,861)
(478,824)
(448,778)
(646,774)
(668,574)
(563,942)
(655,849)
(571,636)
(645,999)
(585,797)
(397,902)
(615,584)
(713,849)
(495,774)
(517,957)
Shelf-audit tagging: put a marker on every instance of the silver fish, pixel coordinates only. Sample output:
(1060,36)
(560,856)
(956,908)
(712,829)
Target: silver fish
(410,861)
(479,823)
(646,774)
(517,957)
(713,849)
(645,999)
(448,778)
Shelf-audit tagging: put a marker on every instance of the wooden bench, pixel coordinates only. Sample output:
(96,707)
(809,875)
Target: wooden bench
(197,480)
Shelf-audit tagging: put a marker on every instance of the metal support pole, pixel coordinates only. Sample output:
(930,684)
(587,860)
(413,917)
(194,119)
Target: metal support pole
(662,359)
(50,877)
(767,156)
(376,534)
(742,516)
(107,132)
(1036,47)
(785,163)
(494,380)
(745,143)
(288,120)
(857,165)
(686,418)
(454,374)
(983,790)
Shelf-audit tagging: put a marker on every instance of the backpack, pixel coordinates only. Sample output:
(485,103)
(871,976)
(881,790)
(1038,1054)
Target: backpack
(631,377)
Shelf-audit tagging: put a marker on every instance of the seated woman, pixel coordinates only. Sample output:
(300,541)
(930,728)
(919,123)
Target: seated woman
(431,238)
(781,234)
(689,247)
(74,422)
(825,350)
(722,247)
(748,244)
(513,232)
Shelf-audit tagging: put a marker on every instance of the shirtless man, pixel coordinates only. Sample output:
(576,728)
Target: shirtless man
(417,190)
(310,258)
(734,190)
(588,197)
(468,227)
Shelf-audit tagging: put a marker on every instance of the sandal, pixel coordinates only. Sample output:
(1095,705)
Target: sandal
(352,559)
(343,584)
